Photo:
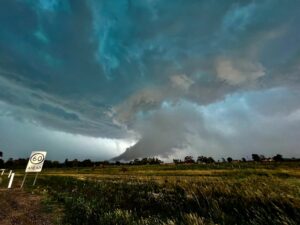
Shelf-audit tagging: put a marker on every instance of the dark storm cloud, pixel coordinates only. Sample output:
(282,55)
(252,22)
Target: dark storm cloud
(101,68)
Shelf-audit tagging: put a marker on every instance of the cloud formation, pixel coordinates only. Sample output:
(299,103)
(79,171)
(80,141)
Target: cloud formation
(239,71)
(253,122)
(107,69)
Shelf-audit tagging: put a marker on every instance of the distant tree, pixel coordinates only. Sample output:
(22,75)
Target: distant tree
(67,163)
(244,159)
(229,159)
(210,160)
(48,164)
(256,157)
(262,157)
(154,161)
(189,159)
(176,161)
(136,162)
(9,163)
(20,163)
(86,163)
(144,161)
(201,159)
(105,162)
(1,163)
(55,164)
(204,159)
(118,163)
(74,163)
(97,163)
(278,158)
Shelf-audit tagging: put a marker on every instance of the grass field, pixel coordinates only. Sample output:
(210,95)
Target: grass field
(241,193)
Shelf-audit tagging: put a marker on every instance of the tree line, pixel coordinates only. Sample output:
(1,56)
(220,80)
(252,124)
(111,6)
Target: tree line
(22,162)
(255,158)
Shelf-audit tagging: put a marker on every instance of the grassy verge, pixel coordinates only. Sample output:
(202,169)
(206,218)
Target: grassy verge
(251,200)
(248,193)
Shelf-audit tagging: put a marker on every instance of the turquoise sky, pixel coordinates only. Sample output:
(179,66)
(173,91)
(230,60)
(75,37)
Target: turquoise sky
(91,78)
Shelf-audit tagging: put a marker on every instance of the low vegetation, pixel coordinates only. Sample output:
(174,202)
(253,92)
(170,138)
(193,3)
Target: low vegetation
(224,193)
(239,196)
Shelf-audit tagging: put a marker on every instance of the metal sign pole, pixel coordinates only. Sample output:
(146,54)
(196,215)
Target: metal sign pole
(35,179)
(23,180)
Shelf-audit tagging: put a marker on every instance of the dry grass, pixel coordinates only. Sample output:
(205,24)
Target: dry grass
(19,207)
(229,194)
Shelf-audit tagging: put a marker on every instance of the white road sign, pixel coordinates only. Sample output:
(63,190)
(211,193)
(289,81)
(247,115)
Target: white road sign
(36,161)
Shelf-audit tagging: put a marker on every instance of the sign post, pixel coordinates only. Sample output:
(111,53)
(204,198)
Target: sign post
(36,175)
(11,180)
(35,164)
(23,180)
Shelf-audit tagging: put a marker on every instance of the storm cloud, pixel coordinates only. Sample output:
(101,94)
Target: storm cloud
(174,77)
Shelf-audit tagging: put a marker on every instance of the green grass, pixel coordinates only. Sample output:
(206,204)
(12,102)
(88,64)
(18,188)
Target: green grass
(242,193)
(253,194)
(252,200)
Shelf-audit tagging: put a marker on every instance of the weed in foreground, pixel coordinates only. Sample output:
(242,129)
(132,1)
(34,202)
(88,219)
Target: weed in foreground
(254,200)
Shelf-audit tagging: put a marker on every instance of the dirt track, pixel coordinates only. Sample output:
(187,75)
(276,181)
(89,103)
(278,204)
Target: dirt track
(19,207)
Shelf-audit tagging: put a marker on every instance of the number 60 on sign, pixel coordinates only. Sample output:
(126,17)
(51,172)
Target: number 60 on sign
(36,161)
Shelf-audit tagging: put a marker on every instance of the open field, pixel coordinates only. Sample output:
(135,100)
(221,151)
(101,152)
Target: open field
(242,193)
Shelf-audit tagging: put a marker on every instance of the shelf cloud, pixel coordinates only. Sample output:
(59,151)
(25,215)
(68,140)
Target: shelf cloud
(166,78)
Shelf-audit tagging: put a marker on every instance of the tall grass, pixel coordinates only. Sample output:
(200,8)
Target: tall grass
(229,200)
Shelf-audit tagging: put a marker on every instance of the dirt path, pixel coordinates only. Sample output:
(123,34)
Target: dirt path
(18,207)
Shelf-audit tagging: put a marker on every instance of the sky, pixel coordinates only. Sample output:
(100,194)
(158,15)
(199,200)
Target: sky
(125,79)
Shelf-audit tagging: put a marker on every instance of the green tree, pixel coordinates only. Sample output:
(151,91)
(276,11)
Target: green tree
(229,159)
(255,157)
(278,158)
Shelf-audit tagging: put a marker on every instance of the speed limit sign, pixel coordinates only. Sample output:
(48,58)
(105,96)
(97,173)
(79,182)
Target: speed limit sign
(36,161)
